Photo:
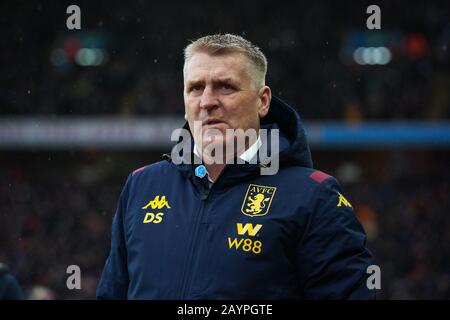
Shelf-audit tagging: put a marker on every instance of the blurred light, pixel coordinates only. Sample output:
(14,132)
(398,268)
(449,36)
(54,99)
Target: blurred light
(85,57)
(357,55)
(71,46)
(417,46)
(372,55)
(367,55)
(91,57)
(58,57)
(376,56)
(386,54)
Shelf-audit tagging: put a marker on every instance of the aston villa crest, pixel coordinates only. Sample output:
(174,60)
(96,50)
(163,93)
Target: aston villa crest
(257,200)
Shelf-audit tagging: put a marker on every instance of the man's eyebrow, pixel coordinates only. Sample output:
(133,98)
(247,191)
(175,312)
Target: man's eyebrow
(194,81)
(218,80)
(226,79)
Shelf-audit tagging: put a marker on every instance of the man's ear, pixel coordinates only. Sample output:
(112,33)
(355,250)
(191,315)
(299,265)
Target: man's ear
(265,96)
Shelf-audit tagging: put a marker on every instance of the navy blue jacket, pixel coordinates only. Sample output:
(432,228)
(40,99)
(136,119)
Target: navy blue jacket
(291,235)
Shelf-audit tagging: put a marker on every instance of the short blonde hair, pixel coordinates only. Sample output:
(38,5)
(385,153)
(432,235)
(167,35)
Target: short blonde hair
(221,44)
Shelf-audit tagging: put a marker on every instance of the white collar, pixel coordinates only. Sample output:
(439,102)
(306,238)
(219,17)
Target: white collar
(248,154)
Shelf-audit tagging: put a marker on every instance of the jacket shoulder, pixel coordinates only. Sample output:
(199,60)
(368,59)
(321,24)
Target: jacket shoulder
(150,174)
(311,176)
(161,166)
(319,176)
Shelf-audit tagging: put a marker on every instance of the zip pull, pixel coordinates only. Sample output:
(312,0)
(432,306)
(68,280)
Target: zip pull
(205,195)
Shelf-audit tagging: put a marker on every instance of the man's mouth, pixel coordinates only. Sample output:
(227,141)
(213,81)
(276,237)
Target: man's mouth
(210,122)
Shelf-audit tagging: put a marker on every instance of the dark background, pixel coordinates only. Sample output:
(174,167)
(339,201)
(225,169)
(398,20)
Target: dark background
(56,207)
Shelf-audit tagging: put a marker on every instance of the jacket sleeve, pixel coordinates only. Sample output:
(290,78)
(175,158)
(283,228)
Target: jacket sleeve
(114,280)
(332,256)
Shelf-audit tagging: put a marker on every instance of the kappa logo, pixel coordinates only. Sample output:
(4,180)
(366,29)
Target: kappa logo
(257,200)
(157,203)
(343,201)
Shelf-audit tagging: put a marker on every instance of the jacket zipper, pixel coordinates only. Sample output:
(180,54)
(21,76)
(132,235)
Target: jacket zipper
(190,257)
(187,277)
(188,261)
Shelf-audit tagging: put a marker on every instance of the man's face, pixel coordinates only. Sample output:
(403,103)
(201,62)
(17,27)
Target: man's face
(219,92)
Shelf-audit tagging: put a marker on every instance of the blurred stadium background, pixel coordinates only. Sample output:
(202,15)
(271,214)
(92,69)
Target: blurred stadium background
(81,109)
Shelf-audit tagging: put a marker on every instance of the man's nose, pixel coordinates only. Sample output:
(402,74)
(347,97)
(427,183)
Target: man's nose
(208,99)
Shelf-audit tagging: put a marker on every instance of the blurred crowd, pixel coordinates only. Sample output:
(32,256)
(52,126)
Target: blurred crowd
(304,43)
(404,206)
(56,210)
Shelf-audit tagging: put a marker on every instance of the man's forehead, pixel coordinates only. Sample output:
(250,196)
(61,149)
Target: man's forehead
(221,66)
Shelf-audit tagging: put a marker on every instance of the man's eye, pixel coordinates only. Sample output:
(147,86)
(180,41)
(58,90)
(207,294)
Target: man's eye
(195,89)
(227,87)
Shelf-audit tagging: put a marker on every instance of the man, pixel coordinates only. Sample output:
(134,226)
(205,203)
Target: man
(210,230)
